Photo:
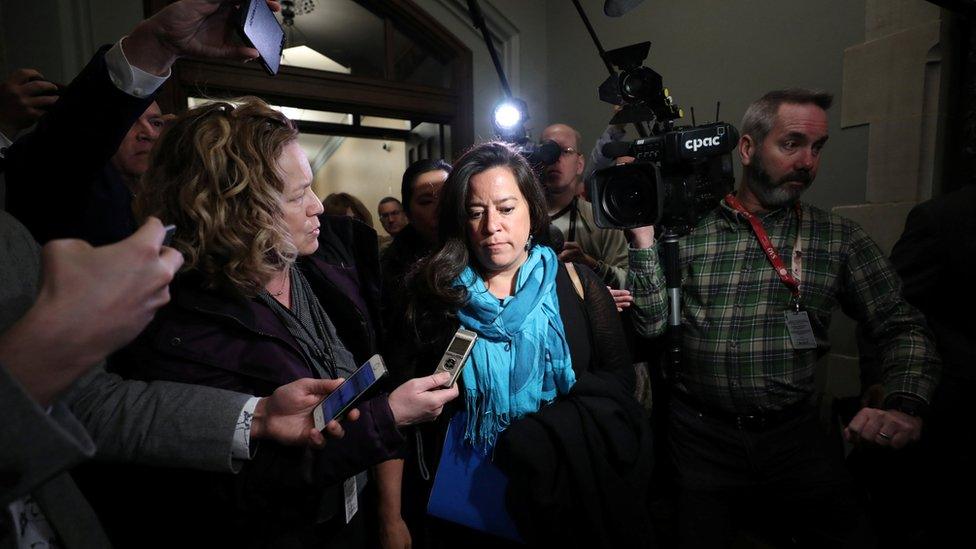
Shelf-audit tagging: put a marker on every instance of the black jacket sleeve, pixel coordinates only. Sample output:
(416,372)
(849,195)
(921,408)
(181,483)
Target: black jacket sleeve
(932,256)
(51,171)
(579,470)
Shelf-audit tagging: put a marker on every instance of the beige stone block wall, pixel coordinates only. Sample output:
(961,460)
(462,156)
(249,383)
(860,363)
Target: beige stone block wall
(884,222)
(884,17)
(886,75)
(894,159)
(888,85)
(895,83)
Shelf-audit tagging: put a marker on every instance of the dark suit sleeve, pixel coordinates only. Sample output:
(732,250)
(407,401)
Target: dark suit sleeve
(933,257)
(917,256)
(35,445)
(157,423)
(51,171)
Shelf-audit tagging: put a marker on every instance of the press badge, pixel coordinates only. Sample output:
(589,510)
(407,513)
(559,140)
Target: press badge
(801,331)
(351,493)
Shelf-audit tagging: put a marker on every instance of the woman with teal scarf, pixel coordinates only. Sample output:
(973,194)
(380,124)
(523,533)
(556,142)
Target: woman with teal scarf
(537,333)
(520,361)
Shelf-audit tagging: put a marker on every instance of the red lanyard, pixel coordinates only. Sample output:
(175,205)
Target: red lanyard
(767,245)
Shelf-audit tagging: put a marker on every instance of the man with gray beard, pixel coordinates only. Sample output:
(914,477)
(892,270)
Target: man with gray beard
(761,276)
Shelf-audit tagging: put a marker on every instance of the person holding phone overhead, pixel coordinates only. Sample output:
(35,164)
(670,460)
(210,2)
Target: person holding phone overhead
(107,119)
(270,292)
(541,326)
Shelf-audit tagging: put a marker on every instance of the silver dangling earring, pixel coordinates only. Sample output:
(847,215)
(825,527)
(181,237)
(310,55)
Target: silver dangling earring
(528,243)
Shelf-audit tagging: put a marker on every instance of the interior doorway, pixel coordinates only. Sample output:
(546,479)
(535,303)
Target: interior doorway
(373,85)
(364,156)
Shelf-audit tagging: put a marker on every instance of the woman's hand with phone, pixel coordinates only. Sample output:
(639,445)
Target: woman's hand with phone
(286,416)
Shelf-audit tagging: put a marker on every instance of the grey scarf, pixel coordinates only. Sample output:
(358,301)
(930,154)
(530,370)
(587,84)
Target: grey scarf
(311,327)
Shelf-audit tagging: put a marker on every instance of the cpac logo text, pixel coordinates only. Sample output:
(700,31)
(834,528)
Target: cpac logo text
(695,144)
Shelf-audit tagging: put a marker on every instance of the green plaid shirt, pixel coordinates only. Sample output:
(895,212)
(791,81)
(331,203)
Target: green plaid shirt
(737,350)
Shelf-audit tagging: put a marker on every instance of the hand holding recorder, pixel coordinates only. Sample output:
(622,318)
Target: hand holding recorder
(416,401)
(423,399)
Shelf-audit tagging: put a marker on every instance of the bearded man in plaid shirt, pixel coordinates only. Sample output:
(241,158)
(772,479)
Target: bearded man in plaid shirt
(744,432)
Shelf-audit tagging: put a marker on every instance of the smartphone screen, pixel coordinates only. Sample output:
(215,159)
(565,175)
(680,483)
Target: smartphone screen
(261,30)
(168,237)
(342,398)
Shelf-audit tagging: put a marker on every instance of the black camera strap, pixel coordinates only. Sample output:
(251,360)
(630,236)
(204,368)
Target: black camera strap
(573,214)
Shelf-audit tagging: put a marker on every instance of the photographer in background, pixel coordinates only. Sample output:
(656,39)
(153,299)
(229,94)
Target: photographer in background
(602,250)
(744,433)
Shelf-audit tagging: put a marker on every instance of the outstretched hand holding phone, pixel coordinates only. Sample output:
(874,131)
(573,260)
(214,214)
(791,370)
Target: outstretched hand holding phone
(189,28)
(91,302)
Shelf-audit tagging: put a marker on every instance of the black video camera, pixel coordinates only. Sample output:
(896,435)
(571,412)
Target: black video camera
(679,176)
(680,173)
(539,155)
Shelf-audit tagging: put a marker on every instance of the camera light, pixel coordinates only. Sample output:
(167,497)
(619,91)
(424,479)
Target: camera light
(507,116)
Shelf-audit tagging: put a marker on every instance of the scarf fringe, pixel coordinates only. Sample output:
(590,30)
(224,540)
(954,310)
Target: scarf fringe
(482,428)
(522,339)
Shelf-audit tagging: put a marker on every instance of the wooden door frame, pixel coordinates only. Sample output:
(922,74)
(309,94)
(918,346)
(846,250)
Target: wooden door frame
(300,87)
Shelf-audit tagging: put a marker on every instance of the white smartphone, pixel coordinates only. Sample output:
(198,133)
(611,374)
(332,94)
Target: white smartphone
(259,28)
(340,400)
(455,357)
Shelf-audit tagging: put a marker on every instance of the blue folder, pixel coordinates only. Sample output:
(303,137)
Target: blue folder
(468,488)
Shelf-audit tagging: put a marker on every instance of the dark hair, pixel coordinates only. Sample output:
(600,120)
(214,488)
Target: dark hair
(761,114)
(338,203)
(389,199)
(433,292)
(414,171)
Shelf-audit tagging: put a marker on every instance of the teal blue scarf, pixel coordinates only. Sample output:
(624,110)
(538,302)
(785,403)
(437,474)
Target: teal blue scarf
(520,361)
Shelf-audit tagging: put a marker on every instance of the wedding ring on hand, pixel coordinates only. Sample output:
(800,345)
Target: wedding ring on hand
(884,436)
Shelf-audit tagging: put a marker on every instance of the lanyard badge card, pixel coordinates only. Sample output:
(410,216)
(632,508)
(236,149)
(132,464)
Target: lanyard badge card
(797,320)
(801,331)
